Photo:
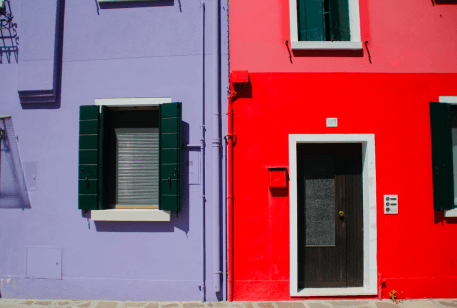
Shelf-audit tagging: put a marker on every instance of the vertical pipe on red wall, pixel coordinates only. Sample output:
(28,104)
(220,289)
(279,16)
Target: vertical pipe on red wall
(230,194)
(224,220)
(202,152)
(379,287)
(216,149)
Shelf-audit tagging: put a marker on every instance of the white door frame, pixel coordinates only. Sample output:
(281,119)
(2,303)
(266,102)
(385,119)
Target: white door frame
(453,101)
(370,269)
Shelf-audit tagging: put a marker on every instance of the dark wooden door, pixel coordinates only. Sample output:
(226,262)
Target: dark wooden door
(330,229)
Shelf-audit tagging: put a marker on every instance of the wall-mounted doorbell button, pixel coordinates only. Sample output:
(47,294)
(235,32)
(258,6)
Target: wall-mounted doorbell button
(390,204)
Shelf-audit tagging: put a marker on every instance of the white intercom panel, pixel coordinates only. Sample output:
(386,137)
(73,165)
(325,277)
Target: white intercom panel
(390,204)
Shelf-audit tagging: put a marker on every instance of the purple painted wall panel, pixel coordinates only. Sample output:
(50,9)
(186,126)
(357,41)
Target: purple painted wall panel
(115,51)
(38,43)
(36,75)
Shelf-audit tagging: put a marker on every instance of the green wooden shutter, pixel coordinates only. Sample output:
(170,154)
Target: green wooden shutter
(442,164)
(339,20)
(101,145)
(310,17)
(88,158)
(170,156)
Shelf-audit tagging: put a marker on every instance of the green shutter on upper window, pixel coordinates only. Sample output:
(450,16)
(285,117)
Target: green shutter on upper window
(170,157)
(339,20)
(310,17)
(442,162)
(88,158)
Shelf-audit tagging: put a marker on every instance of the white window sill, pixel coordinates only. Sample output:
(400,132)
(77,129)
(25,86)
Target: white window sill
(450,213)
(130,215)
(326,45)
(334,292)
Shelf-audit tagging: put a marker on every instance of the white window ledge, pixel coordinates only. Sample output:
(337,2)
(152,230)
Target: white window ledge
(326,45)
(335,292)
(130,215)
(450,213)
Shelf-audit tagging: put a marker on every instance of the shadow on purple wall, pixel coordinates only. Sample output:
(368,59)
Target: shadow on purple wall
(13,189)
(181,222)
(9,40)
(134,226)
(57,70)
(124,5)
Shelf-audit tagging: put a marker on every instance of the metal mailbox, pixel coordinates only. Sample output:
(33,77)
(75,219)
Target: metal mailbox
(278,176)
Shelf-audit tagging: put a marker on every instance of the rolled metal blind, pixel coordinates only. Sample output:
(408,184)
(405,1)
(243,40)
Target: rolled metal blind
(137,166)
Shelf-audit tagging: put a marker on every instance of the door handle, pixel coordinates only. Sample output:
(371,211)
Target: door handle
(87,182)
(169,181)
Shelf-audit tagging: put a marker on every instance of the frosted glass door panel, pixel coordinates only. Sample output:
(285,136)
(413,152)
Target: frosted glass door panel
(320,200)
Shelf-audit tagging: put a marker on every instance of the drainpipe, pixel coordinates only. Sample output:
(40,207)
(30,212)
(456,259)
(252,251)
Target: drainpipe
(230,193)
(216,149)
(239,77)
(224,220)
(202,156)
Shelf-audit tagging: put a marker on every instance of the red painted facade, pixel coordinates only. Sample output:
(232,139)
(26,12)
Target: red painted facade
(413,46)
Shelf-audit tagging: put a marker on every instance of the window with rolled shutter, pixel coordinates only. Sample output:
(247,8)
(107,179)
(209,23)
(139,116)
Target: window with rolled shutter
(130,157)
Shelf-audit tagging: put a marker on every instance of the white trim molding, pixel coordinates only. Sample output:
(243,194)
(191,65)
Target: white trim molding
(453,101)
(326,45)
(354,24)
(142,101)
(370,269)
(131,214)
(448,99)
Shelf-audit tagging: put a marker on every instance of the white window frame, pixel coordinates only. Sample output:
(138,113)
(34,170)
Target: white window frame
(453,101)
(370,269)
(131,214)
(354,25)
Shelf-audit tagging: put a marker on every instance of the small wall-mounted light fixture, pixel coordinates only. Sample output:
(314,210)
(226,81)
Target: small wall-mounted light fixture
(2,132)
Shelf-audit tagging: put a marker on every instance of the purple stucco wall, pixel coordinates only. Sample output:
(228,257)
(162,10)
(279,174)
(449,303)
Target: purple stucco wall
(123,50)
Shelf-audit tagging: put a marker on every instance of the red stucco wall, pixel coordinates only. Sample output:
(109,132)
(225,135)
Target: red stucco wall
(417,249)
